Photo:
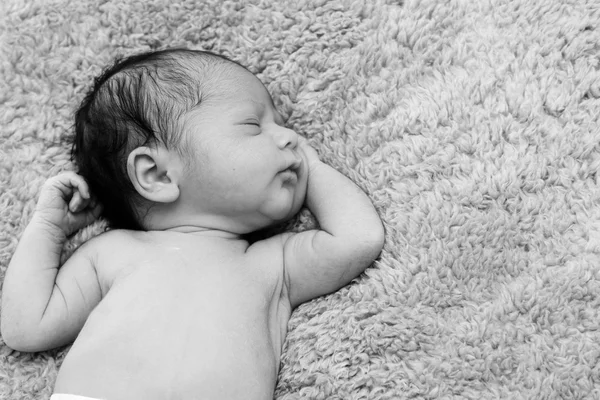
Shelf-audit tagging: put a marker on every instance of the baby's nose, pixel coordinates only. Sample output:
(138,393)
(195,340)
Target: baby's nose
(287,138)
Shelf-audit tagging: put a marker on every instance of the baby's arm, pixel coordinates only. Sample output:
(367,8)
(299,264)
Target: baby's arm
(44,307)
(350,237)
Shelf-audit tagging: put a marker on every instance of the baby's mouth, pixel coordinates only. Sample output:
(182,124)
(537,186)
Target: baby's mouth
(291,173)
(293,169)
(296,164)
(289,176)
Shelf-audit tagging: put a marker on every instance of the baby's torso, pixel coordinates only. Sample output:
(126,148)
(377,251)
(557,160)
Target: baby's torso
(182,320)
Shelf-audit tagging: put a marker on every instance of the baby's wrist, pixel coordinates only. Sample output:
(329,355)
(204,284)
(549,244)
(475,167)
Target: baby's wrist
(41,223)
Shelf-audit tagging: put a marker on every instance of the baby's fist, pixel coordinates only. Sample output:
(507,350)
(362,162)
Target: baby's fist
(66,204)
(309,154)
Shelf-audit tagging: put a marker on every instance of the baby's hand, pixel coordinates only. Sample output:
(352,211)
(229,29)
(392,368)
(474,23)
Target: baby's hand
(66,203)
(309,154)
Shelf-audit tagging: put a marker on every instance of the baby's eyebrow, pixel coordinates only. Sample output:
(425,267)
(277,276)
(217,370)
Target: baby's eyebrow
(278,117)
(261,108)
(260,105)
(248,105)
(244,106)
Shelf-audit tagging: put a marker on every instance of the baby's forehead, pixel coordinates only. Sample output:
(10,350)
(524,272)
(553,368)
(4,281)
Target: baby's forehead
(240,88)
(242,107)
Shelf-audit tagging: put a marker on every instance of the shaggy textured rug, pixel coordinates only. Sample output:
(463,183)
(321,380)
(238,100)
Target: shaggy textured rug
(472,125)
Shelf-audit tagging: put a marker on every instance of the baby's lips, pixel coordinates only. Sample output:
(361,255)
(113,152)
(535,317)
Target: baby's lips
(297,163)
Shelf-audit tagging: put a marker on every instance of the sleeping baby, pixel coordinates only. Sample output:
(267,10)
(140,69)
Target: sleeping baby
(185,155)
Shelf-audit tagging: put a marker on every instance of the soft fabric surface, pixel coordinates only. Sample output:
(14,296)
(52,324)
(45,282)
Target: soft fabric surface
(472,125)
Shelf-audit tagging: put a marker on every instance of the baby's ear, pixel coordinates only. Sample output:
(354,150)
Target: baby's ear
(154,173)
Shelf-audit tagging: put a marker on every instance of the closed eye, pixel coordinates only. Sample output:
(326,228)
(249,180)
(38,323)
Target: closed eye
(253,127)
(251,120)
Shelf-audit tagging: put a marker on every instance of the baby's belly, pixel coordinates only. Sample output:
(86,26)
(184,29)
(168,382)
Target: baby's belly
(168,345)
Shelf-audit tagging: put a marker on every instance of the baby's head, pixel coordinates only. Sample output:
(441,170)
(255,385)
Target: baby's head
(167,134)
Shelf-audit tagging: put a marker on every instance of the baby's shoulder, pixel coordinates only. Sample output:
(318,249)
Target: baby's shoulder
(114,247)
(269,254)
(269,247)
(113,240)
(109,253)
(266,257)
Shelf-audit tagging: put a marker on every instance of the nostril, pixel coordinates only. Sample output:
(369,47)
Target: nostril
(293,138)
(289,138)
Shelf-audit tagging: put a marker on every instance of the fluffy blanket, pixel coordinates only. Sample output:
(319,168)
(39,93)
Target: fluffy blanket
(472,125)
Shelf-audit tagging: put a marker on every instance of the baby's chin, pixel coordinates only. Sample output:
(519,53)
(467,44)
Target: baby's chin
(294,210)
(286,215)
(288,207)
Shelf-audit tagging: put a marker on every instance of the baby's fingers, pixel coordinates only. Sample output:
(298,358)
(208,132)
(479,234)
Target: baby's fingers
(76,183)
(77,203)
(65,185)
(307,149)
(91,212)
(94,210)
(74,186)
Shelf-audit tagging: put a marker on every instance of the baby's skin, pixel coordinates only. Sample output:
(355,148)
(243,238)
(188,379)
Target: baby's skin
(189,309)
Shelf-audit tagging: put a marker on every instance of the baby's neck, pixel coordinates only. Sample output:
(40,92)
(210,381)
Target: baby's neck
(204,232)
(193,236)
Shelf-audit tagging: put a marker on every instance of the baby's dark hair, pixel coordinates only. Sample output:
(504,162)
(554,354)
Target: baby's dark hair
(137,101)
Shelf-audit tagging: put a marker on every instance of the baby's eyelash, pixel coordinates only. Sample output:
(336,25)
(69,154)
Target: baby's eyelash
(255,126)
(253,123)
